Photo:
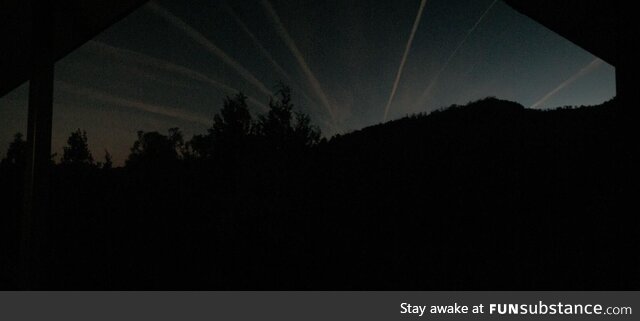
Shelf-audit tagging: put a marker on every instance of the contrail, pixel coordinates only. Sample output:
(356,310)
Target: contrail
(585,70)
(207,44)
(256,42)
(282,32)
(136,104)
(141,58)
(416,23)
(261,48)
(433,82)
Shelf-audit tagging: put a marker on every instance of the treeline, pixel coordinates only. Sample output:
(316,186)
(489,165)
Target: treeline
(234,133)
(487,196)
(234,185)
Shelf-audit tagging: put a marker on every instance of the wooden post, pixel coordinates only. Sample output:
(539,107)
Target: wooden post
(36,186)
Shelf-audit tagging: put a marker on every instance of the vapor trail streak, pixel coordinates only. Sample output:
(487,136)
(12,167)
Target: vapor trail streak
(282,32)
(256,42)
(129,103)
(207,44)
(585,70)
(433,82)
(261,48)
(416,23)
(141,58)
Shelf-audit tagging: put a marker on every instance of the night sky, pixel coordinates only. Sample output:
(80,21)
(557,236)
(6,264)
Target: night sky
(170,64)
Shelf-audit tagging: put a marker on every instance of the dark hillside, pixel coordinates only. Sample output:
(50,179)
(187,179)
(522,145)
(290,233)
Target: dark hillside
(489,196)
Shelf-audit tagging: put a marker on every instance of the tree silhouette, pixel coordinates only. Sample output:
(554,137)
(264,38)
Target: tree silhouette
(153,148)
(108,163)
(275,126)
(234,120)
(199,147)
(280,129)
(77,150)
(229,133)
(305,134)
(16,154)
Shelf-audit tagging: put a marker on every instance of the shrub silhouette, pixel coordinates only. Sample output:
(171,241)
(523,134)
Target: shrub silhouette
(77,153)
(16,153)
(234,132)
(108,163)
(229,132)
(156,150)
(280,130)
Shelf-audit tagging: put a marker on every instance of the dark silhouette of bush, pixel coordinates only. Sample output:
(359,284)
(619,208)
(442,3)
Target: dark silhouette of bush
(234,132)
(234,122)
(108,162)
(77,153)
(156,150)
(280,130)
(229,133)
(16,153)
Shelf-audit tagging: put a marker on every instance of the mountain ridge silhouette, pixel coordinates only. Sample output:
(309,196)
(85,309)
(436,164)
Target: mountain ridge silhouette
(490,195)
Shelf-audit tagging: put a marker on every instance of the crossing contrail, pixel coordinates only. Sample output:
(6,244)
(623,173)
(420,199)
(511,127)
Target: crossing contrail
(262,49)
(416,23)
(313,81)
(141,58)
(585,70)
(256,42)
(210,46)
(130,103)
(425,95)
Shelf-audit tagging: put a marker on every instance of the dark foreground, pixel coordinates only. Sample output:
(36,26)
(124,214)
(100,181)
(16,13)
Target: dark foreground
(486,196)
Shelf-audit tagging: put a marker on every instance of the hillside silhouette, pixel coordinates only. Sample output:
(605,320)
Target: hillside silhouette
(484,196)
